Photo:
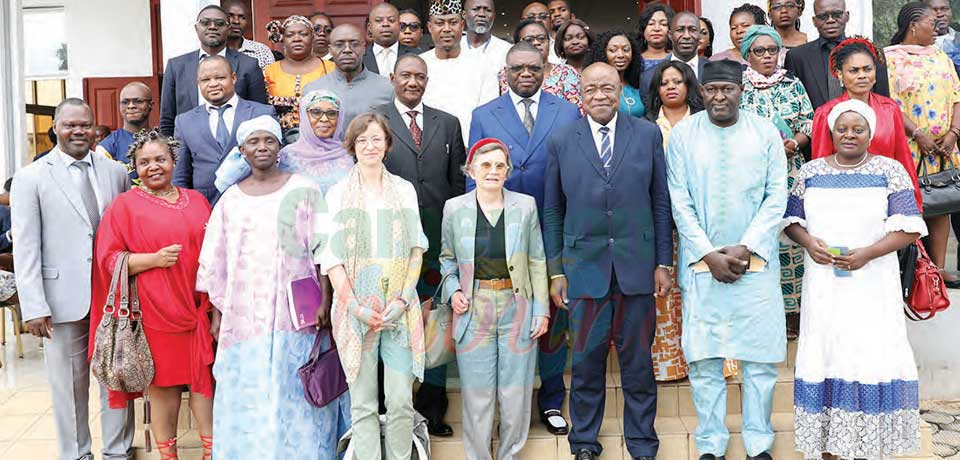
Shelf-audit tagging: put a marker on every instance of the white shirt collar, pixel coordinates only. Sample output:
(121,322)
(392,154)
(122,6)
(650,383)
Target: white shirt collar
(404,109)
(69,160)
(595,127)
(516,97)
(232,101)
(204,54)
(377,48)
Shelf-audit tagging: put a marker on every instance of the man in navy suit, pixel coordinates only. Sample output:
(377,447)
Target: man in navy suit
(180,93)
(522,119)
(608,234)
(207,131)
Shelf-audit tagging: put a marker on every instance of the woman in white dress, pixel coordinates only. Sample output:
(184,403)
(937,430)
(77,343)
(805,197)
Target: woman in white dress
(855,393)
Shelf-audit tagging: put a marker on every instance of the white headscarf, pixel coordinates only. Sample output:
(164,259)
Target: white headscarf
(234,167)
(859,107)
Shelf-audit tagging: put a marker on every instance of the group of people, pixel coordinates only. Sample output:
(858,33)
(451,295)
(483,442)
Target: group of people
(565,193)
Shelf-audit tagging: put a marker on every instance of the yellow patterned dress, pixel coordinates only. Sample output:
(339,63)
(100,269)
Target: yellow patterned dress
(924,83)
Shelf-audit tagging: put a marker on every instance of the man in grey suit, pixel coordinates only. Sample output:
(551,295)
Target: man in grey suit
(56,205)
(429,153)
(206,132)
(180,93)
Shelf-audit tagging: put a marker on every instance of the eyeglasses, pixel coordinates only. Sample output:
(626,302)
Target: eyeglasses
(413,26)
(531,39)
(206,22)
(728,90)
(541,16)
(320,114)
(782,6)
(520,68)
(827,15)
(487,166)
(325,29)
(352,44)
(771,50)
(375,141)
(137,101)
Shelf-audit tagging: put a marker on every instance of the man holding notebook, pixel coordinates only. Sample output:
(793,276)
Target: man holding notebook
(727,172)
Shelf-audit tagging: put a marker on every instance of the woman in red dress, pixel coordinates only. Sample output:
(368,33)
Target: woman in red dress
(854,62)
(162,227)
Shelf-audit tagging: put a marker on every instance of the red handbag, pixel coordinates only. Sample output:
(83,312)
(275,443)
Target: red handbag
(929,293)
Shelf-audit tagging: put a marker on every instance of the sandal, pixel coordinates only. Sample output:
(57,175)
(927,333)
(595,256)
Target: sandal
(167,449)
(207,443)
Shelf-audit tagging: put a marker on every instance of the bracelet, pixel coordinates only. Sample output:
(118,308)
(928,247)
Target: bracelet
(913,135)
(406,305)
(796,145)
(955,131)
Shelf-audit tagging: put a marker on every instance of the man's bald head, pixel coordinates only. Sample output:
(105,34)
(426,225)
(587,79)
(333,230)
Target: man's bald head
(215,61)
(136,89)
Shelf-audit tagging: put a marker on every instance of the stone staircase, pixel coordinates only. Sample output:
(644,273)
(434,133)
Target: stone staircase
(676,421)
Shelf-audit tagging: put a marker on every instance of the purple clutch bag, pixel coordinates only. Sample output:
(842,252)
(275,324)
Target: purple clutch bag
(322,375)
(304,298)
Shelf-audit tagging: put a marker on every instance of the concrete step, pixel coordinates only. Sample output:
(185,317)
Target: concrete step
(676,442)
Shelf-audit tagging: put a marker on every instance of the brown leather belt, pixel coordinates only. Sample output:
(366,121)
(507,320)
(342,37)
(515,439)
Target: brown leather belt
(496,285)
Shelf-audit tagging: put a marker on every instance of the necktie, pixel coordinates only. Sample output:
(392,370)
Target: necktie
(606,148)
(415,130)
(387,66)
(87,195)
(527,114)
(223,134)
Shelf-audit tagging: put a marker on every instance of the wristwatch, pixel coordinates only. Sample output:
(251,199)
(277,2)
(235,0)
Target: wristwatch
(668,268)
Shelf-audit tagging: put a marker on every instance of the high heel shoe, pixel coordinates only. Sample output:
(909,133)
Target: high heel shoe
(207,442)
(167,449)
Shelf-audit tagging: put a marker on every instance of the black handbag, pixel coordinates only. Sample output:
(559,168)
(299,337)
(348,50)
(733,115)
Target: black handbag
(940,191)
(908,267)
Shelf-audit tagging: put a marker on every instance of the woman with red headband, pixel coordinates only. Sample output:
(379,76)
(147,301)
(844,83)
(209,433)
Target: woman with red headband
(854,62)
(495,276)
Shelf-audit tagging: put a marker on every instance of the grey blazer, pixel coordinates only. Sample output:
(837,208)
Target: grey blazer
(526,258)
(54,249)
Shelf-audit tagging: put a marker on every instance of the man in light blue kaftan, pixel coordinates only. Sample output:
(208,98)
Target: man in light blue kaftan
(726,171)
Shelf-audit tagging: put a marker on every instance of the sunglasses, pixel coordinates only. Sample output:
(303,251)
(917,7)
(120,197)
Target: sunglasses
(835,15)
(319,114)
(205,22)
(325,29)
(541,16)
(413,26)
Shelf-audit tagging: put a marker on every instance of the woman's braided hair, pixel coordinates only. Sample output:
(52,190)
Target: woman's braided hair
(145,137)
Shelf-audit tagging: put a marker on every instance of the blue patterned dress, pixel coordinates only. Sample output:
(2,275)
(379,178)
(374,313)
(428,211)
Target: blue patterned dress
(855,393)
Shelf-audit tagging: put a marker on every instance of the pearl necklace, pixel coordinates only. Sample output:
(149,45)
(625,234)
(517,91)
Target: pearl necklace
(853,166)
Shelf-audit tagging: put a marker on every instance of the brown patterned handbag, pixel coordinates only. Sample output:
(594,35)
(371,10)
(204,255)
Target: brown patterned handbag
(121,358)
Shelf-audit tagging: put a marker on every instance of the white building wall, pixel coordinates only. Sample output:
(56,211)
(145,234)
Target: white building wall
(105,38)
(718,11)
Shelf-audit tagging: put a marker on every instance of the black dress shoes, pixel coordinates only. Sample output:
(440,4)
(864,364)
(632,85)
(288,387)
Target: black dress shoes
(584,454)
(439,429)
(554,421)
(712,457)
(763,456)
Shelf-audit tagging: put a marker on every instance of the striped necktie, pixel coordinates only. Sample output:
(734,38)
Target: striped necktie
(606,148)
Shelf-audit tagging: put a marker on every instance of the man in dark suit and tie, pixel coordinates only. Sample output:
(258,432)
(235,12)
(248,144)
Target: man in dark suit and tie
(522,119)
(608,236)
(811,62)
(383,24)
(428,151)
(180,92)
(207,131)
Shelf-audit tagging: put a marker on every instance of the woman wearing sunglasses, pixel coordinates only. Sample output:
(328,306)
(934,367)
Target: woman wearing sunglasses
(771,91)
(411,29)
